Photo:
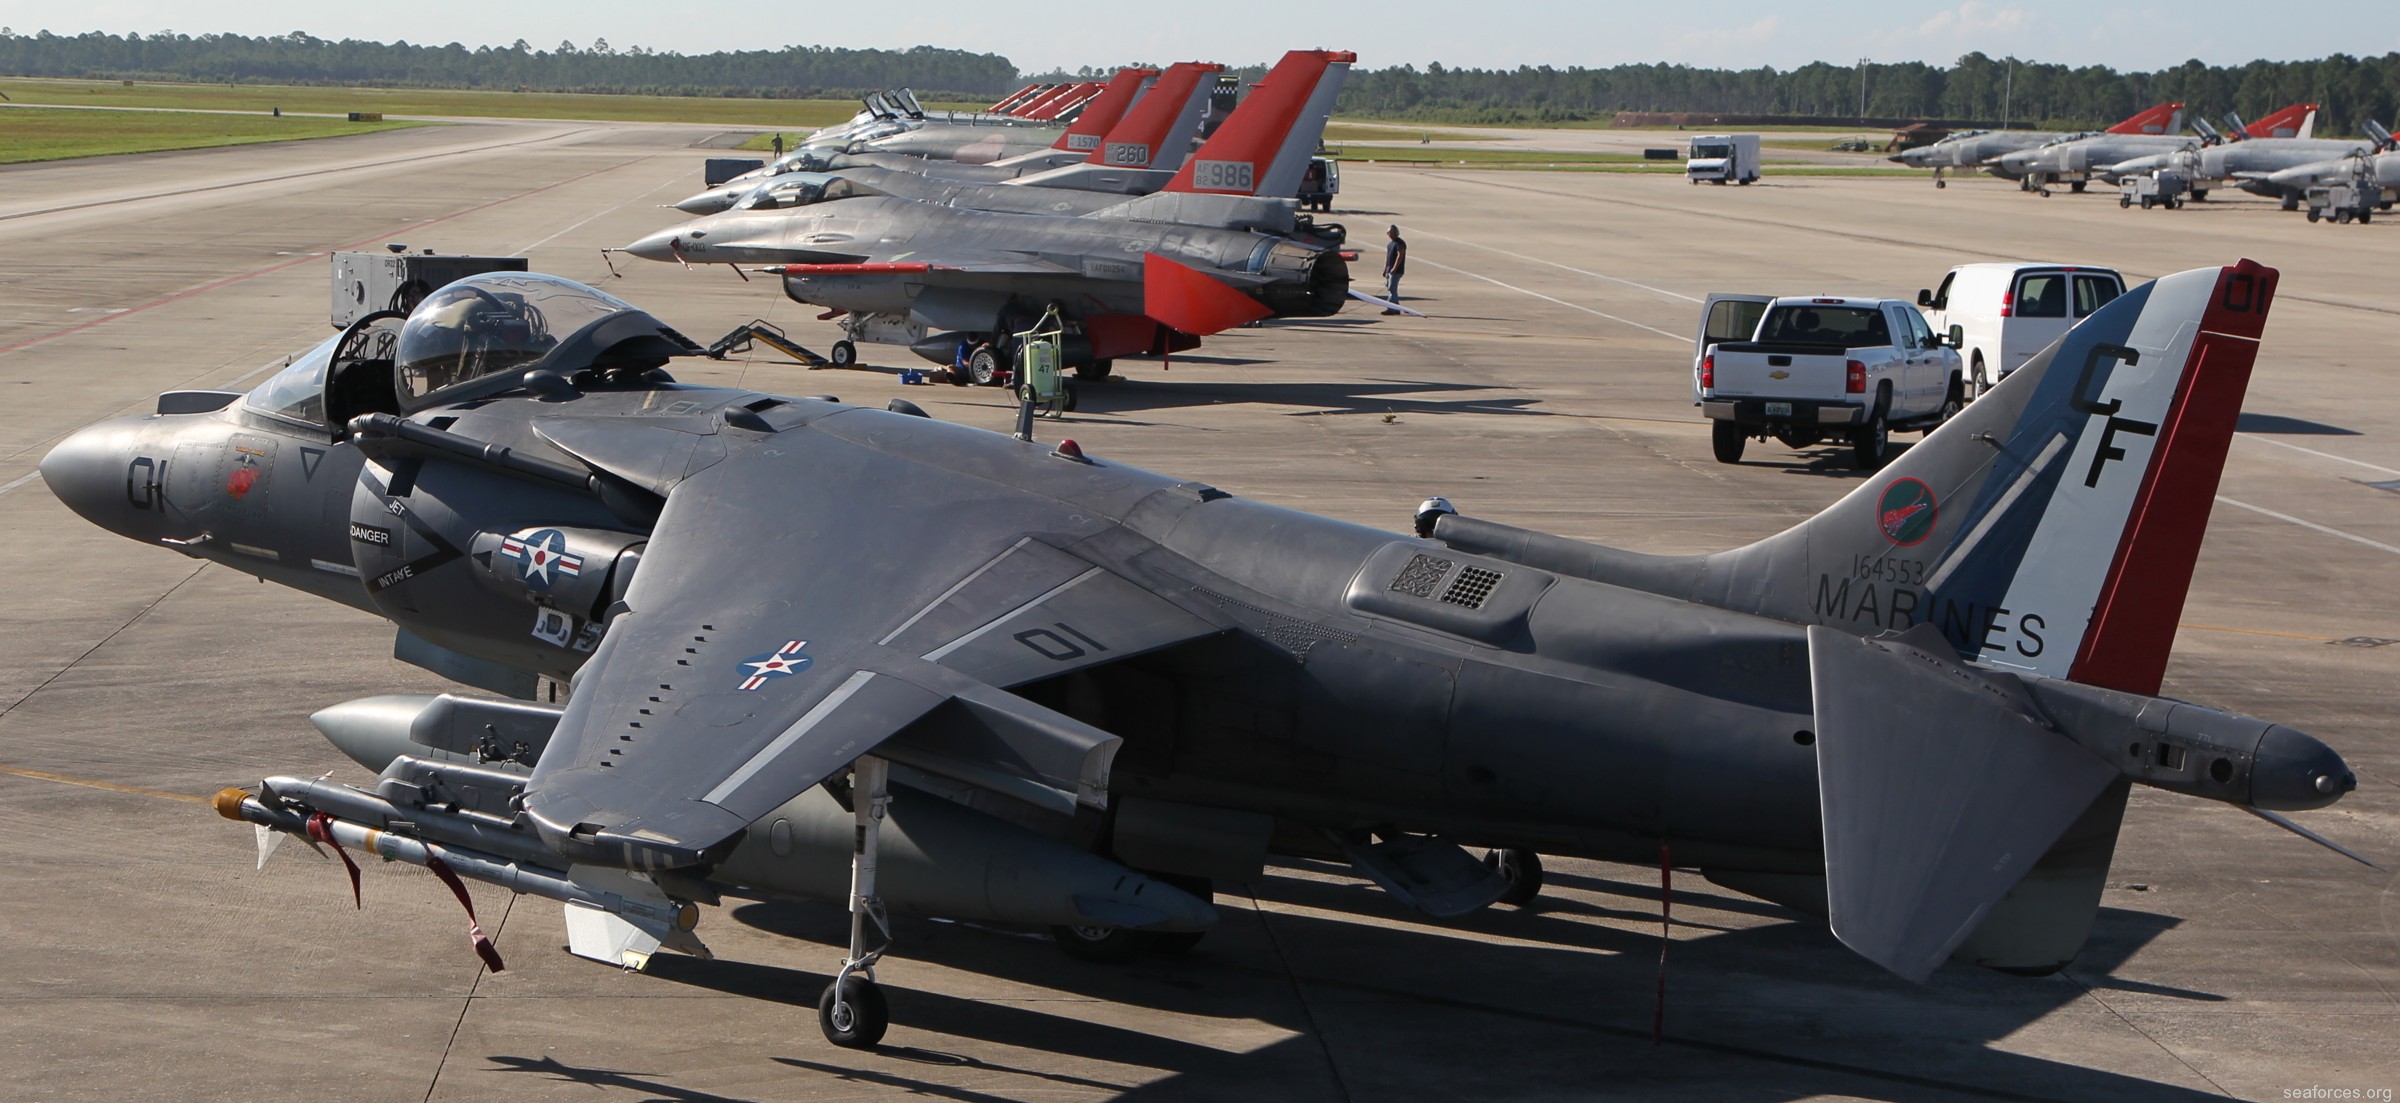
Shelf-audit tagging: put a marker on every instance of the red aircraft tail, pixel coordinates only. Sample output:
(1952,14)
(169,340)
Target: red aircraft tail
(1105,109)
(2166,118)
(2297,121)
(1018,98)
(1253,153)
(1167,116)
(1070,96)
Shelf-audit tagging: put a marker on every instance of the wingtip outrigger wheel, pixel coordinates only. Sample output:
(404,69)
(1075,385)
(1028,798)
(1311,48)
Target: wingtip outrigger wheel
(852,1011)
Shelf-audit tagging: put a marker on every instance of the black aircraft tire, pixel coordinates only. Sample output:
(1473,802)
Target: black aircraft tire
(865,1015)
(1523,868)
(843,354)
(2290,204)
(2200,195)
(2365,216)
(1726,438)
(1871,444)
(1097,369)
(1105,945)
(2076,186)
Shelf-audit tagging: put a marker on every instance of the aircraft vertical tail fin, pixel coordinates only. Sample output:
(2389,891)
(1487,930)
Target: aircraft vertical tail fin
(2297,121)
(1084,134)
(1157,132)
(1009,102)
(1066,99)
(2377,134)
(1264,146)
(2052,526)
(2166,118)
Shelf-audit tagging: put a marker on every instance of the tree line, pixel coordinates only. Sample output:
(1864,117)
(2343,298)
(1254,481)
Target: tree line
(793,72)
(2021,93)
(2035,94)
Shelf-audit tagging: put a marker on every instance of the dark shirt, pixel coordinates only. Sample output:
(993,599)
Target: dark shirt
(1395,257)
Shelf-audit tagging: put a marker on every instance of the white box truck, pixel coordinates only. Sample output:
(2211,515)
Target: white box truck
(1723,159)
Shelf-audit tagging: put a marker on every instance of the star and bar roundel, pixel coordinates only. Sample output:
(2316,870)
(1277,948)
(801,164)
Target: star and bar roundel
(542,557)
(782,662)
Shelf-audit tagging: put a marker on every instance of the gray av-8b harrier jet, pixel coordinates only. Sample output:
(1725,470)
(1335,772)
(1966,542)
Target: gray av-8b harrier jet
(1918,713)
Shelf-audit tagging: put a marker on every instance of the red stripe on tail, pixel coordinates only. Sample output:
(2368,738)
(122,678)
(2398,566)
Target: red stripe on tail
(2162,119)
(1240,151)
(2133,621)
(1104,110)
(2286,123)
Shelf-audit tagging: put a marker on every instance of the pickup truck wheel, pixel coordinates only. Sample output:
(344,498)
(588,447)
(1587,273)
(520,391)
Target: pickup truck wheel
(1871,444)
(1953,400)
(1726,439)
(2124,201)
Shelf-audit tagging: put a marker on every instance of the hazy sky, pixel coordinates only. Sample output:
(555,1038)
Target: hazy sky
(1496,33)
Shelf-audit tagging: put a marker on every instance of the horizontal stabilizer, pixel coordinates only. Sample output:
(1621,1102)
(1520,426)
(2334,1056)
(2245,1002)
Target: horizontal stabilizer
(1187,299)
(1940,789)
(1386,304)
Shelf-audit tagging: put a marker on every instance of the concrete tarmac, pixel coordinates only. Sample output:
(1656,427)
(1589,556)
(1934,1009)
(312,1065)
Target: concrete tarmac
(1549,386)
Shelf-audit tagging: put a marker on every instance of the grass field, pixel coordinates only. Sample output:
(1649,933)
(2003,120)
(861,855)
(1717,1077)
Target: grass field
(808,114)
(53,134)
(1397,132)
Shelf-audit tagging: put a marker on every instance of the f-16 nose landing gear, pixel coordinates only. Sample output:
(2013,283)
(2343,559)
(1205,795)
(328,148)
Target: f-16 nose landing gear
(852,1012)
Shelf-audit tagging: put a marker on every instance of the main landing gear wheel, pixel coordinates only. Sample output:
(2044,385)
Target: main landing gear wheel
(853,1014)
(2076,186)
(983,366)
(1105,945)
(1523,868)
(844,355)
(852,1011)
(1097,369)
(1726,439)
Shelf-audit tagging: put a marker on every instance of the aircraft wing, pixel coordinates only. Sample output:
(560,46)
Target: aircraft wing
(800,603)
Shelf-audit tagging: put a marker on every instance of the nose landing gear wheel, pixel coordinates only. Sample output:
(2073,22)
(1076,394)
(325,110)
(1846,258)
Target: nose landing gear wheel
(853,1014)
(844,355)
(1523,868)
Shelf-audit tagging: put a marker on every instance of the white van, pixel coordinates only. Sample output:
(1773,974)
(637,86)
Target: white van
(2009,312)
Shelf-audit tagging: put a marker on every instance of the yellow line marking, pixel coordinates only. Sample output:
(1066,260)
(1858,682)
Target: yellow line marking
(110,786)
(2257,632)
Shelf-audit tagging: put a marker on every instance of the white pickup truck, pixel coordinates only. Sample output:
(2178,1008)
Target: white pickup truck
(1805,369)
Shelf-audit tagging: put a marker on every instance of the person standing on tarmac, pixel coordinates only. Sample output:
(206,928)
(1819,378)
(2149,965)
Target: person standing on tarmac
(1395,265)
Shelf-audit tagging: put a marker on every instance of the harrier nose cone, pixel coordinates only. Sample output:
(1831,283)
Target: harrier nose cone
(95,473)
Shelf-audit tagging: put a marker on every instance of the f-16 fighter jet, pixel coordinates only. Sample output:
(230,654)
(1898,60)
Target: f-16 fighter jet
(974,139)
(1918,713)
(1135,155)
(1983,148)
(1220,245)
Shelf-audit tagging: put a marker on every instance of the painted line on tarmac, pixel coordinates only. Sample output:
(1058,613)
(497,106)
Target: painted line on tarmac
(413,159)
(92,783)
(2255,632)
(230,280)
(663,185)
(2311,525)
(1675,337)
(1555,264)
(19,481)
(2314,452)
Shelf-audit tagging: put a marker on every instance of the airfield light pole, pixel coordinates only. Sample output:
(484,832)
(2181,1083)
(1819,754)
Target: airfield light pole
(1862,91)
(2008,93)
